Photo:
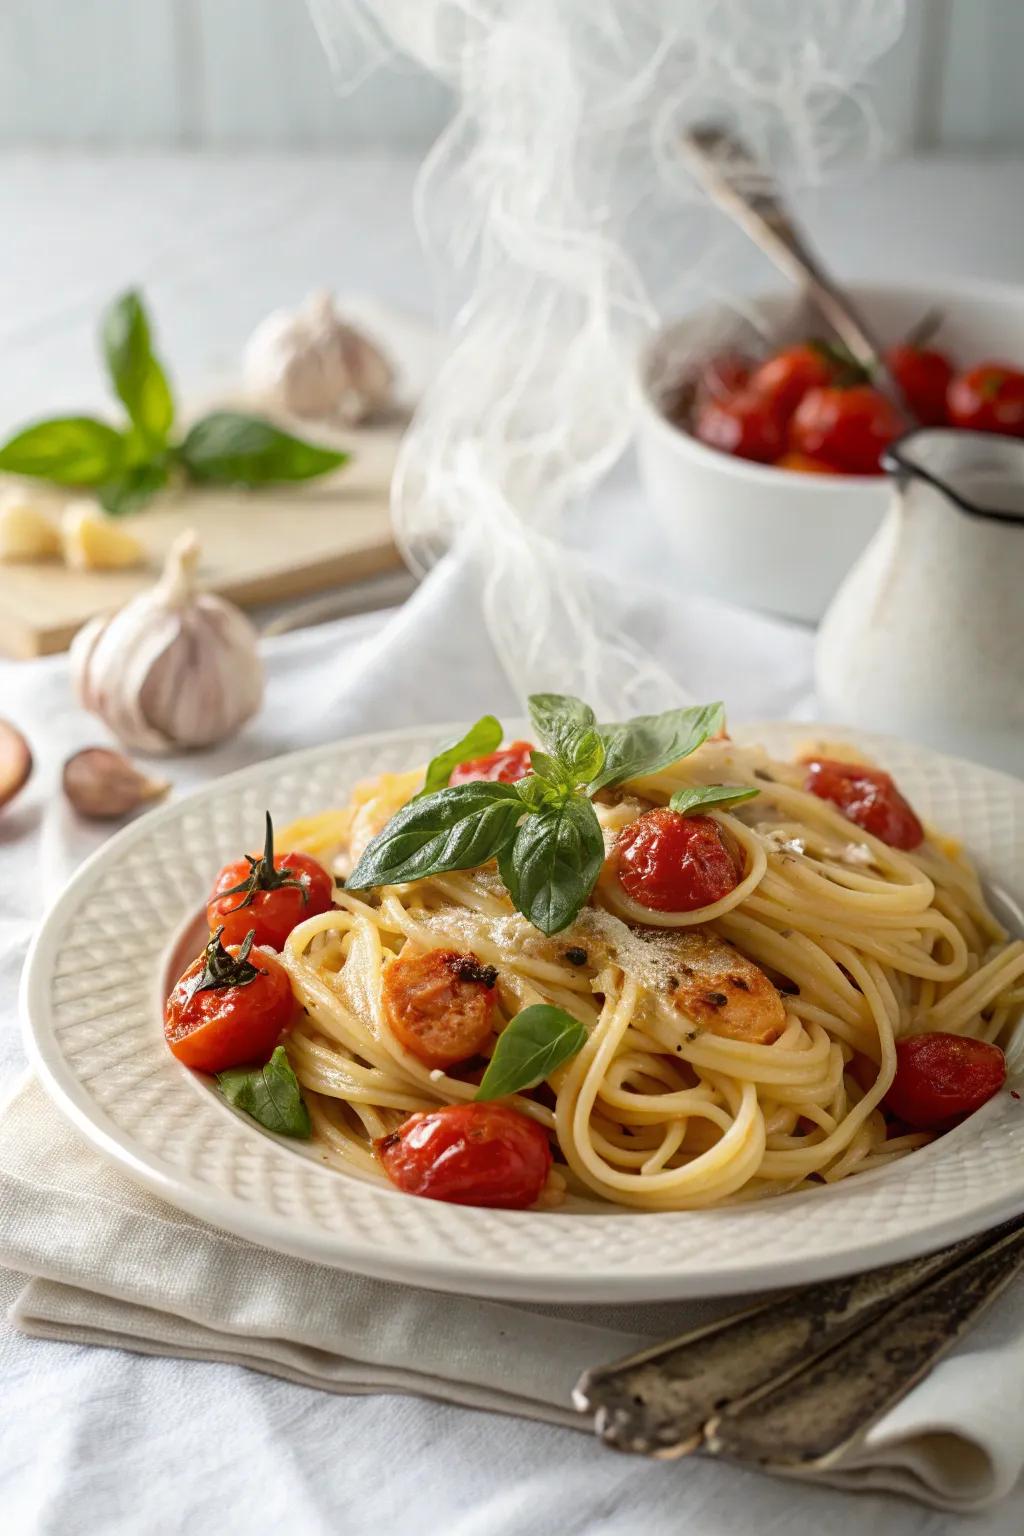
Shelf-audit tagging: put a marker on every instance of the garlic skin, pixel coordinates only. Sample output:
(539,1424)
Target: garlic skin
(175,668)
(312,363)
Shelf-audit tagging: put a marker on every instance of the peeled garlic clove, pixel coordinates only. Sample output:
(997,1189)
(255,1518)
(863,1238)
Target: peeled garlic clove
(175,668)
(93,541)
(104,785)
(15,761)
(27,529)
(312,363)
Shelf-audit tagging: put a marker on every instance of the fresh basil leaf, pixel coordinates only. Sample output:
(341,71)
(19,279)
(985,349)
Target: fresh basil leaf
(535,792)
(699,795)
(584,753)
(550,868)
(228,448)
(651,742)
(137,376)
(138,484)
(270,1094)
(529,1049)
(552,771)
(456,828)
(482,737)
(552,713)
(69,450)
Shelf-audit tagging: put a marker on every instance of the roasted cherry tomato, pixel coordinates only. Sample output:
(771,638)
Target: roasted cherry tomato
(803,464)
(469,1154)
(744,425)
(923,375)
(230,1007)
(848,427)
(504,766)
(269,894)
(439,1004)
(988,398)
(942,1078)
(866,796)
(785,378)
(722,376)
(675,863)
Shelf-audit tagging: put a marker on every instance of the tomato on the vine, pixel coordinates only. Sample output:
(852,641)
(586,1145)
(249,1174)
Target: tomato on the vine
(744,424)
(988,398)
(229,1007)
(270,894)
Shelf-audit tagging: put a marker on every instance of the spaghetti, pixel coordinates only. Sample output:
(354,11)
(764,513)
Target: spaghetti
(841,944)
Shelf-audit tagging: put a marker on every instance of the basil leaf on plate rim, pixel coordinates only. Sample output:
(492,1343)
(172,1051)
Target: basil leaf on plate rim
(530,1047)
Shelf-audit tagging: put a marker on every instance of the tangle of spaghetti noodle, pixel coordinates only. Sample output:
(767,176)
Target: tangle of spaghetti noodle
(861,943)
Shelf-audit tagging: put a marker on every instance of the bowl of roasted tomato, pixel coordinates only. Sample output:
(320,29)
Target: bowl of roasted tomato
(760,437)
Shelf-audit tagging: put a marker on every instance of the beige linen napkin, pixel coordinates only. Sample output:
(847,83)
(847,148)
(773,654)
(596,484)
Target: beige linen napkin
(106,1263)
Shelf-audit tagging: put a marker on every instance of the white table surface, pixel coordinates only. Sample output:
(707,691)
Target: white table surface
(216,243)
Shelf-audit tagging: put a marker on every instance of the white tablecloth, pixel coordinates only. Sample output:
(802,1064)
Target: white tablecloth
(96,1441)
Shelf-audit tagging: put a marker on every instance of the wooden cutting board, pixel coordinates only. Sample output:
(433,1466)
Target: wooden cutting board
(257,547)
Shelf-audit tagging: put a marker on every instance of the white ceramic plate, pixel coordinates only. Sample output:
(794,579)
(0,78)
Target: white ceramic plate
(92,996)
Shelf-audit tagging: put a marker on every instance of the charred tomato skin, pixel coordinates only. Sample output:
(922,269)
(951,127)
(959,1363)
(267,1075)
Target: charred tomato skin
(469,1154)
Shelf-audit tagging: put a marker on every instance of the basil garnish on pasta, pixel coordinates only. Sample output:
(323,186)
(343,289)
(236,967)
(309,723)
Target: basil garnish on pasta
(456,828)
(270,1095)
(529,1049)
(482,737)
(550,868)
(697,796)
(542,829)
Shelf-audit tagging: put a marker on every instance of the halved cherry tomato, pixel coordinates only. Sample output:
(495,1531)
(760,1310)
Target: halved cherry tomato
(269,894)
(744,425)
(785,378)
(469,1154)
(941,1078)
(675,863)
(229,1007)
(848,427)
(439,1004)
(502,767)
(803,464)
(923,374)
(988,398)
(866,796)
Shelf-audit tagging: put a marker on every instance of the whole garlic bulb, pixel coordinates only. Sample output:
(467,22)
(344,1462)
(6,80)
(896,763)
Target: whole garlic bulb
(312,363)
(174,668)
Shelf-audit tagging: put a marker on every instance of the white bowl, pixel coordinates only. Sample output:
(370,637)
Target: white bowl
(772,538)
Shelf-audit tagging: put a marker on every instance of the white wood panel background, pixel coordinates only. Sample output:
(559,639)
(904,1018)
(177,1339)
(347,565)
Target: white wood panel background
(238,74)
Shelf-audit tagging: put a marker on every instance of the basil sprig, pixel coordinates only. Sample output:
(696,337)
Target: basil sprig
(482,737)
(456,828)
(529,1049)
(270,1095)
(542,830)
(686,801)
(550,867)
(127,465)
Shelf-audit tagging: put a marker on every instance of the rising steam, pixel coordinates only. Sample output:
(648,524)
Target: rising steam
(561,219)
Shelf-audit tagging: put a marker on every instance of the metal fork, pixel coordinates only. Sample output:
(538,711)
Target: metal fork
(792,1383)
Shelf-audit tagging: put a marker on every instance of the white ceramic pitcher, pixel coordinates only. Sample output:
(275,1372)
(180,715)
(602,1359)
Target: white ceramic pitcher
(925,638)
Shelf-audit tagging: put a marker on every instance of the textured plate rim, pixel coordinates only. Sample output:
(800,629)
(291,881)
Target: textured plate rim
(446,1270)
